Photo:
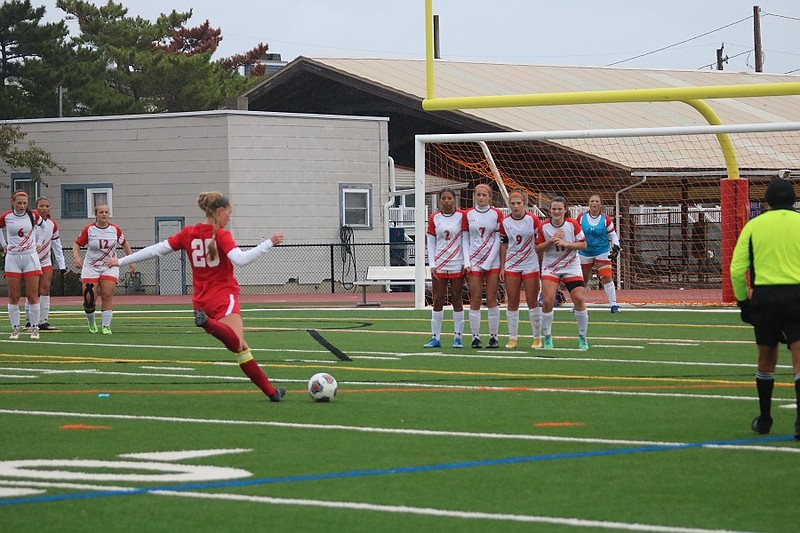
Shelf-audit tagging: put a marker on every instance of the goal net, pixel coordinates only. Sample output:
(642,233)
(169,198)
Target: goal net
(667,190)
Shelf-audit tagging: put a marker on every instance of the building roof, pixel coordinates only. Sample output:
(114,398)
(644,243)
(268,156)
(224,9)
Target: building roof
(396,87)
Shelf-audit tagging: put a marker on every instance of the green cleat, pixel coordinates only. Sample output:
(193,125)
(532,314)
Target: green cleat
(92,327)
(583,343)
(547,343)
(106,331)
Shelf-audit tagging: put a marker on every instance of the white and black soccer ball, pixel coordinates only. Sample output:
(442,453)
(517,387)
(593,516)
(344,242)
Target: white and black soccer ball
(322,387)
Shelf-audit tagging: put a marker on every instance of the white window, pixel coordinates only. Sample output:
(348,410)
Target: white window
(98,196)
(356,202)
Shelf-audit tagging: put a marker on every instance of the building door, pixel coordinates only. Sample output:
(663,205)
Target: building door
(171,270)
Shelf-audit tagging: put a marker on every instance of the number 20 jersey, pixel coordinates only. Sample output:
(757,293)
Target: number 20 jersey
(210,278)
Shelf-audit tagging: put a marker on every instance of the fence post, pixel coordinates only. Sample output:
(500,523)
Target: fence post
(333,281)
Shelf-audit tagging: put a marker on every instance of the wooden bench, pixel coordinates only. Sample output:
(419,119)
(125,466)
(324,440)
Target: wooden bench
(387,275)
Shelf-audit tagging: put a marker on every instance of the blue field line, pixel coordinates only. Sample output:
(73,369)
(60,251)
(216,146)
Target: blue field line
(391,471)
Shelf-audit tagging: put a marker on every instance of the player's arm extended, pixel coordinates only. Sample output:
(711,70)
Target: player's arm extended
(158,249)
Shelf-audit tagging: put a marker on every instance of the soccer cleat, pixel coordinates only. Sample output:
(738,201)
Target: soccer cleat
(35,333)
(537,343)
(457,342)
(433,343)
(547,344)
(615,309)
(92,327)
(200,318)
(476,343)
(45,326)
(583,343)
(106,331)
(762,425)
(279,393)
(27,326)
(14,333)
(511,344)
(493,343)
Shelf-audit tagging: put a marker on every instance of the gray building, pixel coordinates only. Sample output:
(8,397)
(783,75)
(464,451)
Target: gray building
(304,175)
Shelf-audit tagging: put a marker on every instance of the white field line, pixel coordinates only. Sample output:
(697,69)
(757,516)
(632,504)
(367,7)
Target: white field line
(382,508)
(383,309)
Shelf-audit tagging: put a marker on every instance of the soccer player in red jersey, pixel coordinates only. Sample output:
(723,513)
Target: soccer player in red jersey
(213,253)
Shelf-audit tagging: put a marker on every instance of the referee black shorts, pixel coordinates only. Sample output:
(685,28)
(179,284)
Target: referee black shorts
(776,314)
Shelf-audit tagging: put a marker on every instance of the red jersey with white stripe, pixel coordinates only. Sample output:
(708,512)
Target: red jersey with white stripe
(557,259)
(447,255)
(212,279)
(100,243)
(522,234)
(20,233)
(484,244)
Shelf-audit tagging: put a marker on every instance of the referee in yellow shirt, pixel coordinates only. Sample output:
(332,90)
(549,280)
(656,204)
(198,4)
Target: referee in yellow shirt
(769,248)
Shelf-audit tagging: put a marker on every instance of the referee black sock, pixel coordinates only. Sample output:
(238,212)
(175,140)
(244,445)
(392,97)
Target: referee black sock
(765,383)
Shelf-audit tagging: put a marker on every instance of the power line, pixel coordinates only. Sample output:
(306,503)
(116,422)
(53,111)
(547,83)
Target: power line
(726,59)
(680,42)
(780,16)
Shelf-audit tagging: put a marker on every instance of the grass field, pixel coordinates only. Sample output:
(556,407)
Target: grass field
(155,428)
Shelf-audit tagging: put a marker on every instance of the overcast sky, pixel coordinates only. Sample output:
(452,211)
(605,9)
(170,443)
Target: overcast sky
(565,32)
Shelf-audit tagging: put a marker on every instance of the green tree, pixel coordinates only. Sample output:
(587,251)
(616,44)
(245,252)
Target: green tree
(30,61)
(132,65)
(30,157)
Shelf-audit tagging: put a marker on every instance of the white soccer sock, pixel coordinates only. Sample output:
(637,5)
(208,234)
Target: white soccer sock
(108,314)
(44,309)
(436,324)
(582,318)
(34,314)
(611,292)
(475,322)
(90,317)
(494,321)
(13,315)
(512,317)
(547,323)
(535,316)
(458,322)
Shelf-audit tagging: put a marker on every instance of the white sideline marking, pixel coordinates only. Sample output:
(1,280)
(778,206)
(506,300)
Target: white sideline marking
(12,376)
(368,429)
(395,509)
(184,369)
(184,454)
(13,493)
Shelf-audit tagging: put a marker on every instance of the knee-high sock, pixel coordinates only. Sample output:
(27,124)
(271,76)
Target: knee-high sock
(765,383)
(44,309)
(436,324)
(512,317)
(797,394)
(254,372)
(475,322)
(458,322)
(224,333)
(13,315)
(34,313)
(611,292)
(535,316)
(547,323)
(107,315)
(494,321)
(582,318)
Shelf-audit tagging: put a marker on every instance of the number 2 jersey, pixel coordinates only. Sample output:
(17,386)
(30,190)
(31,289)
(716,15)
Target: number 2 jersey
(211,278)
(444,241)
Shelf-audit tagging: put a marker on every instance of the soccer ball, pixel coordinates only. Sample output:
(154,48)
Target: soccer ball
(322,387)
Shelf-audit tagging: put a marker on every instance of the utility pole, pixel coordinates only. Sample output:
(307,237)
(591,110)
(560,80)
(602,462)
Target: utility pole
(720,59)
(436,51)
(757,38)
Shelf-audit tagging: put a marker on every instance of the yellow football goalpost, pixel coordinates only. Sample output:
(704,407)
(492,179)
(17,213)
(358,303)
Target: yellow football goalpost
(693,96)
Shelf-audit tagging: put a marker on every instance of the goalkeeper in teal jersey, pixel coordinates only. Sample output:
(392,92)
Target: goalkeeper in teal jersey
(602,248)
(769,248)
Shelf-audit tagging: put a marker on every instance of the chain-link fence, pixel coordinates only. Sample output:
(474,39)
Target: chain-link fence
(288,268)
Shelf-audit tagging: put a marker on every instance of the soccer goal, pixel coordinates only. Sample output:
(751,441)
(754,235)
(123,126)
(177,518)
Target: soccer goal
(667,190)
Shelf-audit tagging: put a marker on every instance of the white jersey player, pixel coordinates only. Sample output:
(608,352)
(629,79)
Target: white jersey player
(100,240)
(560,242)
(520,266)
(48,244)
(482,263)
(446,261)
(19,228)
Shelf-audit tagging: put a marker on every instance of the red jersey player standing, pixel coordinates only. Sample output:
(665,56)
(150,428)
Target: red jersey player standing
(18,229)
(212,253)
